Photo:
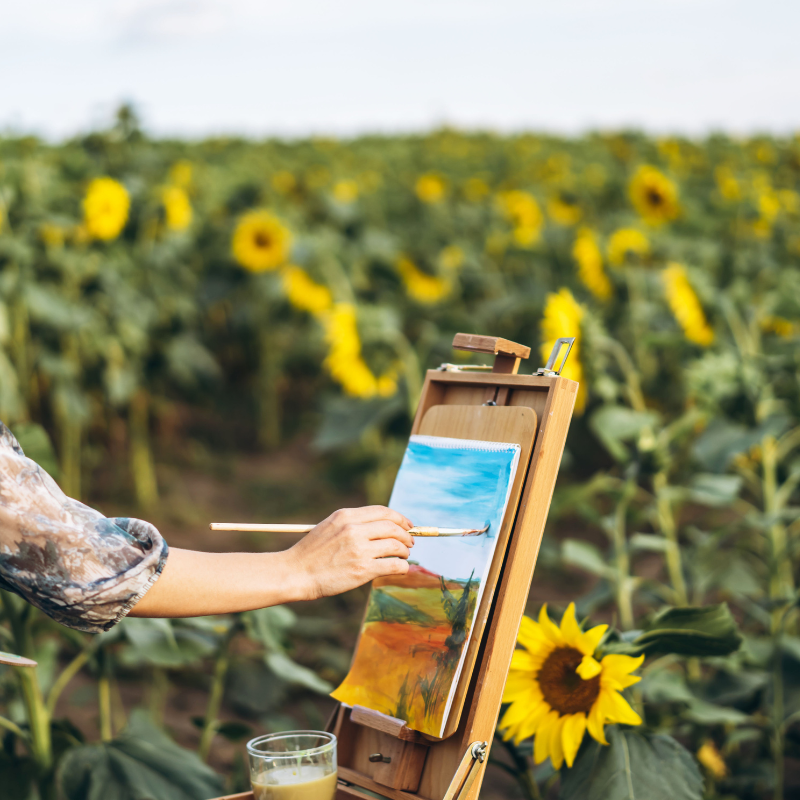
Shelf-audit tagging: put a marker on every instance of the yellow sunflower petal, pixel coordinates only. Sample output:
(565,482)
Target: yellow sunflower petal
(541,744)
(595,723)
(530,634)
(572,736)
(549,628)
(620,711)
(522,661)
(588,668)
(616,671)
(519,683)
(519,709)
(589,640)
(556,745)
(570,632)
(530,725)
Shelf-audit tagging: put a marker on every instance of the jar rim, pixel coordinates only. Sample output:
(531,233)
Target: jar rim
(253,750)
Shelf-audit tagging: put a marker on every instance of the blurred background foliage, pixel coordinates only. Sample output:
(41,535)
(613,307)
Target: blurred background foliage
(234,297)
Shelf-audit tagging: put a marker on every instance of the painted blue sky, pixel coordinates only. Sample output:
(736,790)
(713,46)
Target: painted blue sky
(454,488)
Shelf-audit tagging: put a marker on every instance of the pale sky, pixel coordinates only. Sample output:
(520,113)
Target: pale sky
(294,67)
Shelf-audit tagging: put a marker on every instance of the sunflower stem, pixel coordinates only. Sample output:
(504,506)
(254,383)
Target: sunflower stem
(521,771)
(622,558)
(669,529)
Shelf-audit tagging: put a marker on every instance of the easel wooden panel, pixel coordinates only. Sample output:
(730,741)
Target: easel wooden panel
(553,399)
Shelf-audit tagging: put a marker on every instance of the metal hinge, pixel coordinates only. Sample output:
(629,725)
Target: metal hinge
(549,368)
(468,770)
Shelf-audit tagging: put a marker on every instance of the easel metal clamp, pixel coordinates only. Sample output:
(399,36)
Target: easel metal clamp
(468,771)
(549,368)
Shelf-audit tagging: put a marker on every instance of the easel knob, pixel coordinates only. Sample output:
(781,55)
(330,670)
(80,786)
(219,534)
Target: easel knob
(507,353)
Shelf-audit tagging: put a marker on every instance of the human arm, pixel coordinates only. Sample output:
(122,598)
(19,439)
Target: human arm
(348,549)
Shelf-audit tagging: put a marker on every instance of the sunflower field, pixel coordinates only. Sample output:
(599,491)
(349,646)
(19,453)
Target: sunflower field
(277,291)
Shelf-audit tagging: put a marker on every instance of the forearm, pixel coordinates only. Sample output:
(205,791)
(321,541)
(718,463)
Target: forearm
(198,584)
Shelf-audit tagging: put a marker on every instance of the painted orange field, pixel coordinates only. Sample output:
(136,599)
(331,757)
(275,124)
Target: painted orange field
(393,654)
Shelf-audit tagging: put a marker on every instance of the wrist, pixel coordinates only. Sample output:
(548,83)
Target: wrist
(296,581)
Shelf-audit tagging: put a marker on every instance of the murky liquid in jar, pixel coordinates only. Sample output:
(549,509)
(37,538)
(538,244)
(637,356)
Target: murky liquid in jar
(289,783)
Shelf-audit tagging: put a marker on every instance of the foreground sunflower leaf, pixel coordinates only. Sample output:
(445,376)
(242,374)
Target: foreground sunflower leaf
(140,764)
(635,766)
(691,631)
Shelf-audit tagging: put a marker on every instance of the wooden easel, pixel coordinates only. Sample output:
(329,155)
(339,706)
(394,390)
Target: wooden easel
(379,755)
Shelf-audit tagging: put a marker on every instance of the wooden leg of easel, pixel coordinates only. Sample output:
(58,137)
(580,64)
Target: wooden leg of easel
(468,770)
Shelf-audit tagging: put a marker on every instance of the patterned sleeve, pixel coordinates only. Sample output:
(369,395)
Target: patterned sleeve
(84,570)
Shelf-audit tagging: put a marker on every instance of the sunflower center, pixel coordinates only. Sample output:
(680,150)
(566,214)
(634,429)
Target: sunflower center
(563,689)
(654,197)
(262,239)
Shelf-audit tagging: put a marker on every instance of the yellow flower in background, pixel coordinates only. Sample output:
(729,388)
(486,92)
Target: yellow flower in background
(261,241)
(283,181)
(345,191)
(423,288)
(790,201)
(780,326)
(318,176)
(627,242)
(769,206)
(558,690)
(525,215)
(52,235)
(589,259)
(180,174)
(564,209)
(653,195)
(451,257)
(562,317)
(727,185)
(105,208)
(475,189)
(710,758)
(177,208)
(685,305)
(304,293)
(431,187)
(345,362)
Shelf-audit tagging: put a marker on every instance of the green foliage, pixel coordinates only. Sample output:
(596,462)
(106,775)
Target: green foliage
(635,766)
(140,764)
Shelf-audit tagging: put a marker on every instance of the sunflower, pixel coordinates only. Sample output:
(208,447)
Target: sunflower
(562,317)
(177,208)
(345,192)
(180,173)
(105,208)
(304,293)
(261,241)
(451,257)
(624,243)
(525,215)
(563,209)
(589,259)
(283,181)
(653,195)
(712,760)
(727,184)
(685,305)
(558,690)
(431,188)
(345,362)
(424,288)
(475,189)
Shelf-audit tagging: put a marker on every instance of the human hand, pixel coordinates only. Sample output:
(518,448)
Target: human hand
(349,548)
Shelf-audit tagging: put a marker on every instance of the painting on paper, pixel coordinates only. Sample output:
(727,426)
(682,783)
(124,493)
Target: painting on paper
(417,626)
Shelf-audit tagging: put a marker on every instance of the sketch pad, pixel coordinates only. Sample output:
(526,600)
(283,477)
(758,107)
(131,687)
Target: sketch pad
(416,632)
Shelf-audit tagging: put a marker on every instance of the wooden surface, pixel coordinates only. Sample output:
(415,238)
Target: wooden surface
(383,722)
(515,425)
(493,345)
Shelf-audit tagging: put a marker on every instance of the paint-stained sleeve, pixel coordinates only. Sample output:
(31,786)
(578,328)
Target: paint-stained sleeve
(84,570)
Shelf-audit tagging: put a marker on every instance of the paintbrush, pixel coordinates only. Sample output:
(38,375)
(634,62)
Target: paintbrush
(289,528)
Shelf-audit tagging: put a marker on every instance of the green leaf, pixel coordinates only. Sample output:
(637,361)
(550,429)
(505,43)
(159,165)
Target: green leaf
(292,672)
(614,425)
(715,490)
(648,541)
(635,766)
(143,763)
(704,713)
(36,444)
(586,556)
(164,643)
(345,419)
(691,631)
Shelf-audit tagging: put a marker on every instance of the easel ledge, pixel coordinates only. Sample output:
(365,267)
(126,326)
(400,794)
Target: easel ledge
(423,768)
